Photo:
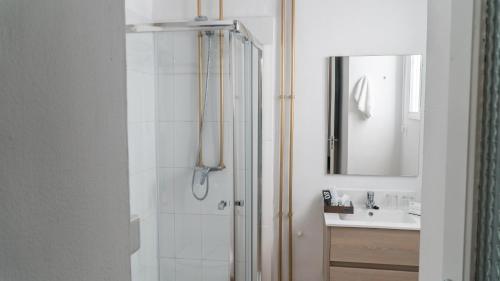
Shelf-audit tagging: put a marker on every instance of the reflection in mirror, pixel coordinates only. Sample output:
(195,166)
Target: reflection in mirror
(375,115)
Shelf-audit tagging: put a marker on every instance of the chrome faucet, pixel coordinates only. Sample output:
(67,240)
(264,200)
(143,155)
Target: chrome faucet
(370,200)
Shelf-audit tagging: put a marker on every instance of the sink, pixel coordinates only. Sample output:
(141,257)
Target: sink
(364,218)
(390,216)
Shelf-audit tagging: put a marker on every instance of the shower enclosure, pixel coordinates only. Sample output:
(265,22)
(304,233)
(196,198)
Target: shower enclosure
(194,96)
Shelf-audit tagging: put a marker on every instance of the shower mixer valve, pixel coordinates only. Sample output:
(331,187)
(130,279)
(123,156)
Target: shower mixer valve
(222,205)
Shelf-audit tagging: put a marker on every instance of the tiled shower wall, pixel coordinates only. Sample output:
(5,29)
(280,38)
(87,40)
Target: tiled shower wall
(193,235)
(174,77)
(142,152)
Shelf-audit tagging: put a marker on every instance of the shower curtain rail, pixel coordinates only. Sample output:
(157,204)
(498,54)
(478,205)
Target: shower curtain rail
(211,25)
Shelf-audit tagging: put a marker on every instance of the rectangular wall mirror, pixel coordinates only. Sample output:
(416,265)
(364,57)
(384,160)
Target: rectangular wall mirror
(375,115)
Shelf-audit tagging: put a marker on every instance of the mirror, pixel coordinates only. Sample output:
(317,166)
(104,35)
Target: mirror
(375,115)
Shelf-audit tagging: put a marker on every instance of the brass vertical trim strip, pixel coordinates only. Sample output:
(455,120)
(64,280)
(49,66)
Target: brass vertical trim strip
(221,87)
(200,98)
(290,153)
(282,143)
(200,89)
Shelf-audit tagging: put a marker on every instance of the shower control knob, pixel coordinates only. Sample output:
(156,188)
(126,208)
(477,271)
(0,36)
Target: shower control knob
(222,205)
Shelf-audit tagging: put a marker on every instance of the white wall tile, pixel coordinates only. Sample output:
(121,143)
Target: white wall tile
(142,9)
(134,99)
(134,189)
(166,144)
(188,238)
(174,10)
(215,271)
(149,188)
(188,270)
(134,150)
(184,10)
(167,235)
(213,108)
(166,190)
(140,52)
(167,270)
(220,189)
(185,142)
(140,96)
(142,140)
(215,237)
(134,267)
(143,193)
(147,158)
(185,203)
(186,97)
(148,100)
(165,52)
(185,51)
(148,252)
(166,104)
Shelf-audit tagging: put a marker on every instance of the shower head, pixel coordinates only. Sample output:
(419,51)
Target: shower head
(201,18)
(204,18)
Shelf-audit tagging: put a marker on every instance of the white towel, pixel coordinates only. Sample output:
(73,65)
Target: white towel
(362,97)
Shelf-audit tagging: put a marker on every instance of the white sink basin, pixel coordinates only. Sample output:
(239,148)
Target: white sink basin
(388,219)
(392,216)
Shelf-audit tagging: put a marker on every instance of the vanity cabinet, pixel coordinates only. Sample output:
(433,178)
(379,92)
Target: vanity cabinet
(366,254)
(361,274)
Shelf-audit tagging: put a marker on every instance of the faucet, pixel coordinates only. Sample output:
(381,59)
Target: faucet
(370,200)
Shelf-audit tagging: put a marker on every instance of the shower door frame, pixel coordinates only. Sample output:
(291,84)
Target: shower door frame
(234,27)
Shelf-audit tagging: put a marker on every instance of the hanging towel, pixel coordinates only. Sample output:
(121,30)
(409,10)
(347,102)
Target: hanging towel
(362,97)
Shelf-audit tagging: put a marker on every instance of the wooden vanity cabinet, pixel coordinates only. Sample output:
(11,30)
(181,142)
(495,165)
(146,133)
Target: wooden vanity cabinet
(363,254)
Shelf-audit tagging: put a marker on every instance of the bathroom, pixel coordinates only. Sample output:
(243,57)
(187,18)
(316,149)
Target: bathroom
(229,140)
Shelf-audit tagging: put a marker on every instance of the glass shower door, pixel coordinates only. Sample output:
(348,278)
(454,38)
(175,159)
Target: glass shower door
(246,91)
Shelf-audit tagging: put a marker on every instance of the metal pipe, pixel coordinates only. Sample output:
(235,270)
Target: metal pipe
(290,153)
(200,89)
(221,87)
(282,143)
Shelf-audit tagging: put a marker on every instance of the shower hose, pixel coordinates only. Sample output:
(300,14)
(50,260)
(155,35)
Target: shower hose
(201,169)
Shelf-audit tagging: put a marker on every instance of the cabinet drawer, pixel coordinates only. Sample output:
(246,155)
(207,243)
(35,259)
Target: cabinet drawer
(375,246)
(359,274)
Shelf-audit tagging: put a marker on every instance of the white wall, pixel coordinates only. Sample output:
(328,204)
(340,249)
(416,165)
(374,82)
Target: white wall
(64,211)
(446,139)
(326,28)
(138,11)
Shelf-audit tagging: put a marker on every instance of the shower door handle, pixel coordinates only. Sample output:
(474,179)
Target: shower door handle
(239,203)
